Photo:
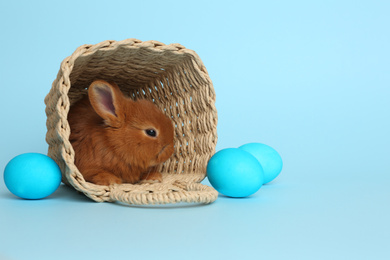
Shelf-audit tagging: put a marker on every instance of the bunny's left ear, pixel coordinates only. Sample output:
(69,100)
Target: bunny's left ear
(107,100)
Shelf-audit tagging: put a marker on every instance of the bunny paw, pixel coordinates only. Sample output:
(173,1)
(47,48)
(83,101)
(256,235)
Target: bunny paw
(153,177)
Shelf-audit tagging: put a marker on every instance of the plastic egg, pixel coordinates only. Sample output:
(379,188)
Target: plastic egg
(235,173)
(268,157)
(32,176)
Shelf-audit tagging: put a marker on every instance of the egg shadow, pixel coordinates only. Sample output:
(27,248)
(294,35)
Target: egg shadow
(64,192)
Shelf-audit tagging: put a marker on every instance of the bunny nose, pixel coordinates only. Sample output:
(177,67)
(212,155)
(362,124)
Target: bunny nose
(164,155)
(162,150)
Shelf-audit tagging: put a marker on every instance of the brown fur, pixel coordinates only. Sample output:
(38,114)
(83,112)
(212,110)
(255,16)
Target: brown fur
(109,139)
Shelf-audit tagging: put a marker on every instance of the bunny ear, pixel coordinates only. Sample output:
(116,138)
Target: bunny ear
(106,100)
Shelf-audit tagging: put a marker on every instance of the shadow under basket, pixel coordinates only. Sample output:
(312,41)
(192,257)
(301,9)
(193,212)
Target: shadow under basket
(171,76)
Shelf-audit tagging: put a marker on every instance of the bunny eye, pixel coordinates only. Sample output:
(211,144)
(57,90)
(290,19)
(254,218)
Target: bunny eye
(151,132)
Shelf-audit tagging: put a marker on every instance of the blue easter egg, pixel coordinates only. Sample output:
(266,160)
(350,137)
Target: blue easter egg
(235,173)
(268,157)
(32,176)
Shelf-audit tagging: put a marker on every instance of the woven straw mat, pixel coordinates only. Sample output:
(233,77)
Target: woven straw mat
(176,80)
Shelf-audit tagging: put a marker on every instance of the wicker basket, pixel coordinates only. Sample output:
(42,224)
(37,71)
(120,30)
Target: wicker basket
(176,80)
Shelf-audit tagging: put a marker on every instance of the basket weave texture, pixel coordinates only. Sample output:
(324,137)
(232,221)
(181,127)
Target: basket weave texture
(171,76)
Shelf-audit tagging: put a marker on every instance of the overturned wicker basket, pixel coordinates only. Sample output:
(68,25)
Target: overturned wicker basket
(176,80)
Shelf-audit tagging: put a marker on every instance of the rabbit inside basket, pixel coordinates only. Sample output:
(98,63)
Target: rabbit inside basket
(117,140)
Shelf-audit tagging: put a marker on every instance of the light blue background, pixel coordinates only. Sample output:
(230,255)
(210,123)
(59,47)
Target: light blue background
(309,78)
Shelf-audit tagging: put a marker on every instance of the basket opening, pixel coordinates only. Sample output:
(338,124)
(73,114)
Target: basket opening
(172,84)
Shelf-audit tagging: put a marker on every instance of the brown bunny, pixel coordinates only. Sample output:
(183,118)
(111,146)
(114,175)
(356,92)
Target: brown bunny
(116,139)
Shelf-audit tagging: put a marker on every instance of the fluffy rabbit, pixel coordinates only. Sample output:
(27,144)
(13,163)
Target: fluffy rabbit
(116,139)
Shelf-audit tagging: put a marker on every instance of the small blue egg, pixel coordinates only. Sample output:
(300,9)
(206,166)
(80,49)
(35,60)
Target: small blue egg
(235,173)
(268,157)
(32,176)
